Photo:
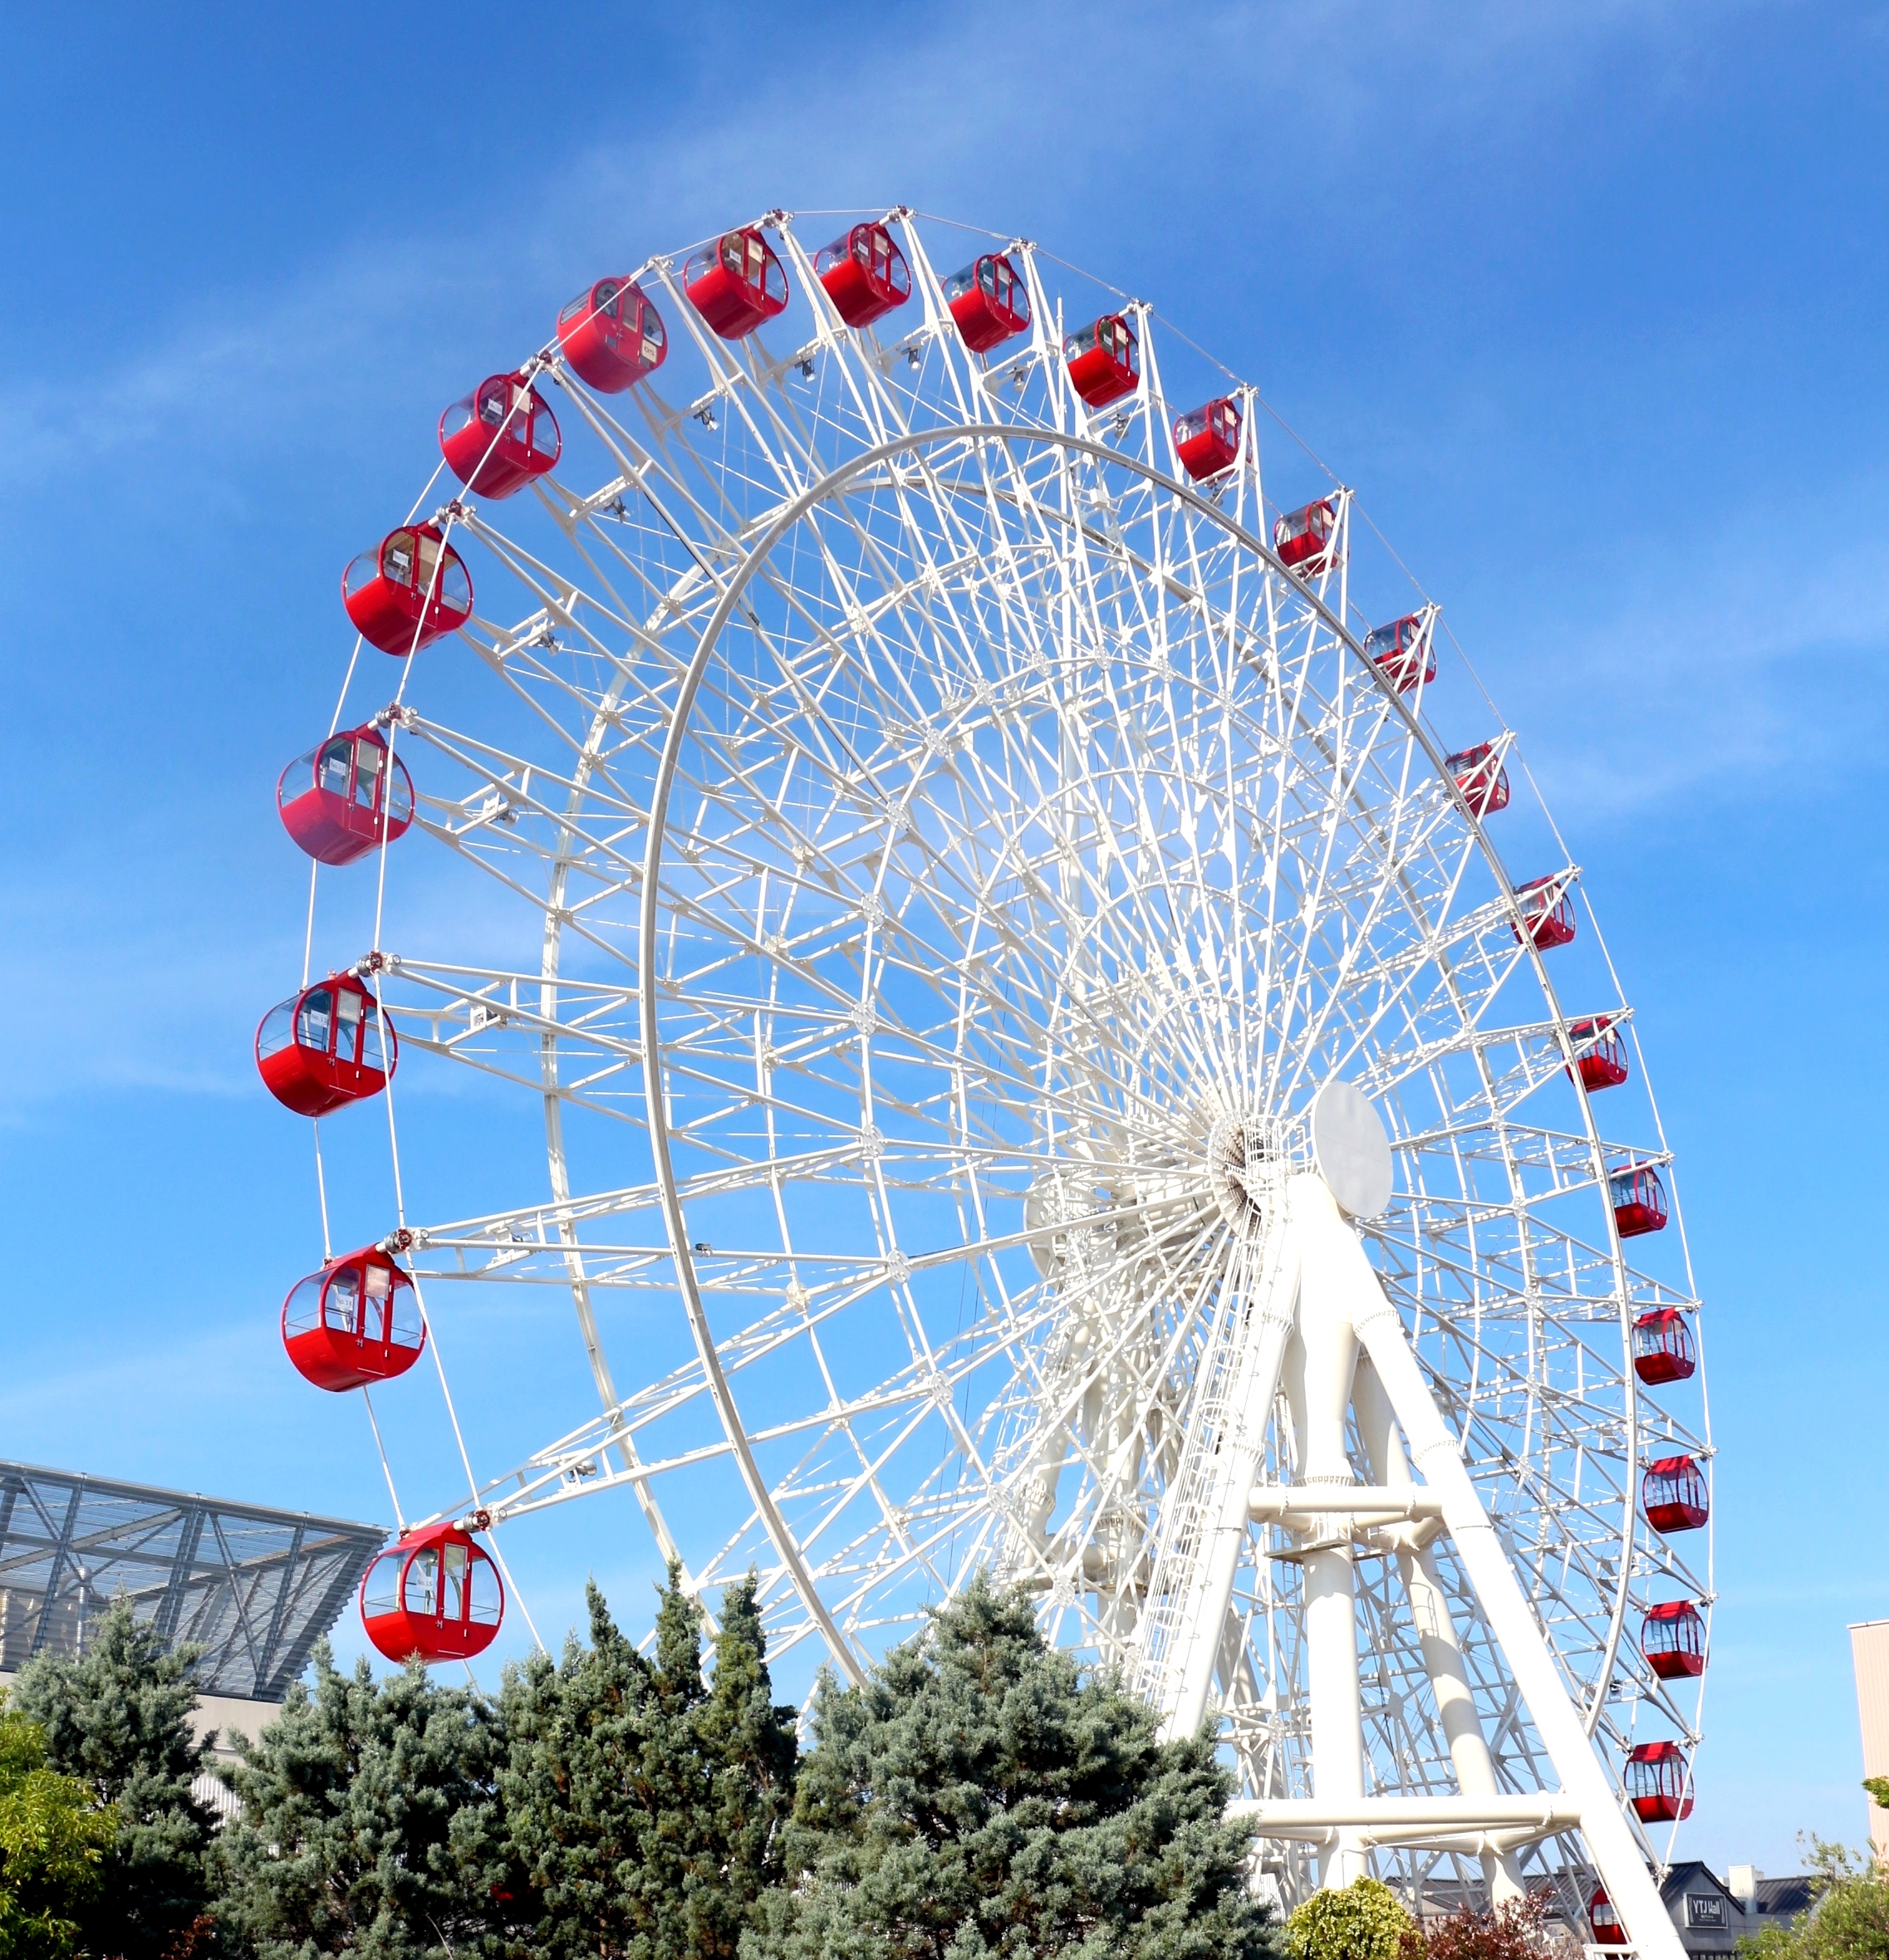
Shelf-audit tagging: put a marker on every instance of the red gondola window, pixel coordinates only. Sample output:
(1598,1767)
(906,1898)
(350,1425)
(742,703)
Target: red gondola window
(1207,439)
(612,335)
(1478,774)
(497,438)
(355,1321)
(1104,360)
(1548,916)
(1600,1054)
(341,800)
(1402,652)
(435,1594)
(1662,1347)
(1639,1200)
(864,274)
(1657,1784)
(989,301)
(1673,1495)
(736,283)
(1672,1637)
(323,1048)
(1605,1921)
(1305,539)
(409,592)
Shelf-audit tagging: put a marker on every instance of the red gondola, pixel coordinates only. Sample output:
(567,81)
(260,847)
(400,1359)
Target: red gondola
(356,1321)
(1548,916)
(409,592)
(989,301)
(864,274)
(1673,1495)
(1657,1785)
(1402,652)
(435,1594)
(736,283)
(1207,439)
(1104,360)
(322,1047)
(1639,1200)
(1605,1922)
(1662,1347)
(1672,1637)
(497,438)
(612,335)
(1601,1054)
(1478,774)
(339,800)
(1305,539)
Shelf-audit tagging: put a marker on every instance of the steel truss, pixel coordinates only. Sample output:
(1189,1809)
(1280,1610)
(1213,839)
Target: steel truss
(928,857)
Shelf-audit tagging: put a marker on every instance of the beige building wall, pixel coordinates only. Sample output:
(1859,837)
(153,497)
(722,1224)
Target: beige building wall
(1869,1646)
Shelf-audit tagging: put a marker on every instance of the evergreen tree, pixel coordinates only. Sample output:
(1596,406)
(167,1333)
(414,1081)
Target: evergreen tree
(370,1823)
(118,1718)
(980,1794)
(52,1839)
(642,1807)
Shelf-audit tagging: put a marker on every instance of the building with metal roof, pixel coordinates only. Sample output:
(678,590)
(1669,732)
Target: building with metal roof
(254,1588)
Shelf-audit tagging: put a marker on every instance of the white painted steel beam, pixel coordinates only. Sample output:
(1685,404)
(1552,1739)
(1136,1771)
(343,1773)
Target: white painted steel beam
(1331,1251)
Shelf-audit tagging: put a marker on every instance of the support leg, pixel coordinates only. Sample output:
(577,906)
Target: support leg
(1615,1852)
(1436,1629)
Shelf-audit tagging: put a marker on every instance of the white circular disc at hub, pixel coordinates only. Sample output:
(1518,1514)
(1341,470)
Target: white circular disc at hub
(1352,1151)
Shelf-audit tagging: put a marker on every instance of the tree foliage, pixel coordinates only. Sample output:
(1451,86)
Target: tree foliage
(1848,1921)
(1516,1930)
(643,1806)
(118,1718)
(370,1823)
(1364,1920)
(980,1796)
(52,1838)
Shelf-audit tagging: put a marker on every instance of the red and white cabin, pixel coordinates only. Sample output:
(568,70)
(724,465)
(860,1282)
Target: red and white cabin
(435,1594)
(1207,439)
(356,1321)
(989,301)
(1547,915)
(1402,652)
(1104,360)
(344,798)
(1604,1922)
(1600,1054)
(1658,1784)
(324,1047)
(612,335)
(1673,1495)
(1662,1347)
(1672,1637)
(864,273)
(1639,1200)
(410,591)
(1478,774)
(736,283)
(1305,539)
(497,438)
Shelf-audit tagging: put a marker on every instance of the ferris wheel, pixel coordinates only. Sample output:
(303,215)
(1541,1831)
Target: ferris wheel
(983,950)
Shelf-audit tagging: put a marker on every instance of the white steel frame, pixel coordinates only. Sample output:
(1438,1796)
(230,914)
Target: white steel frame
(941,853)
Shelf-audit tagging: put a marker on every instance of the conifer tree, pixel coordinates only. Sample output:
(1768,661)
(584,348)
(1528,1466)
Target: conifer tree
(370,1823)
(642,1806)
(118,1718)
(980,1794)
(52,1839)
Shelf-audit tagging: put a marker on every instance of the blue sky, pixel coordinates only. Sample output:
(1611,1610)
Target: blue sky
(1586,301)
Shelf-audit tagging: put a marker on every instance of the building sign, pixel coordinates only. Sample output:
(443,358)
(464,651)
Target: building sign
(1704,1911)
